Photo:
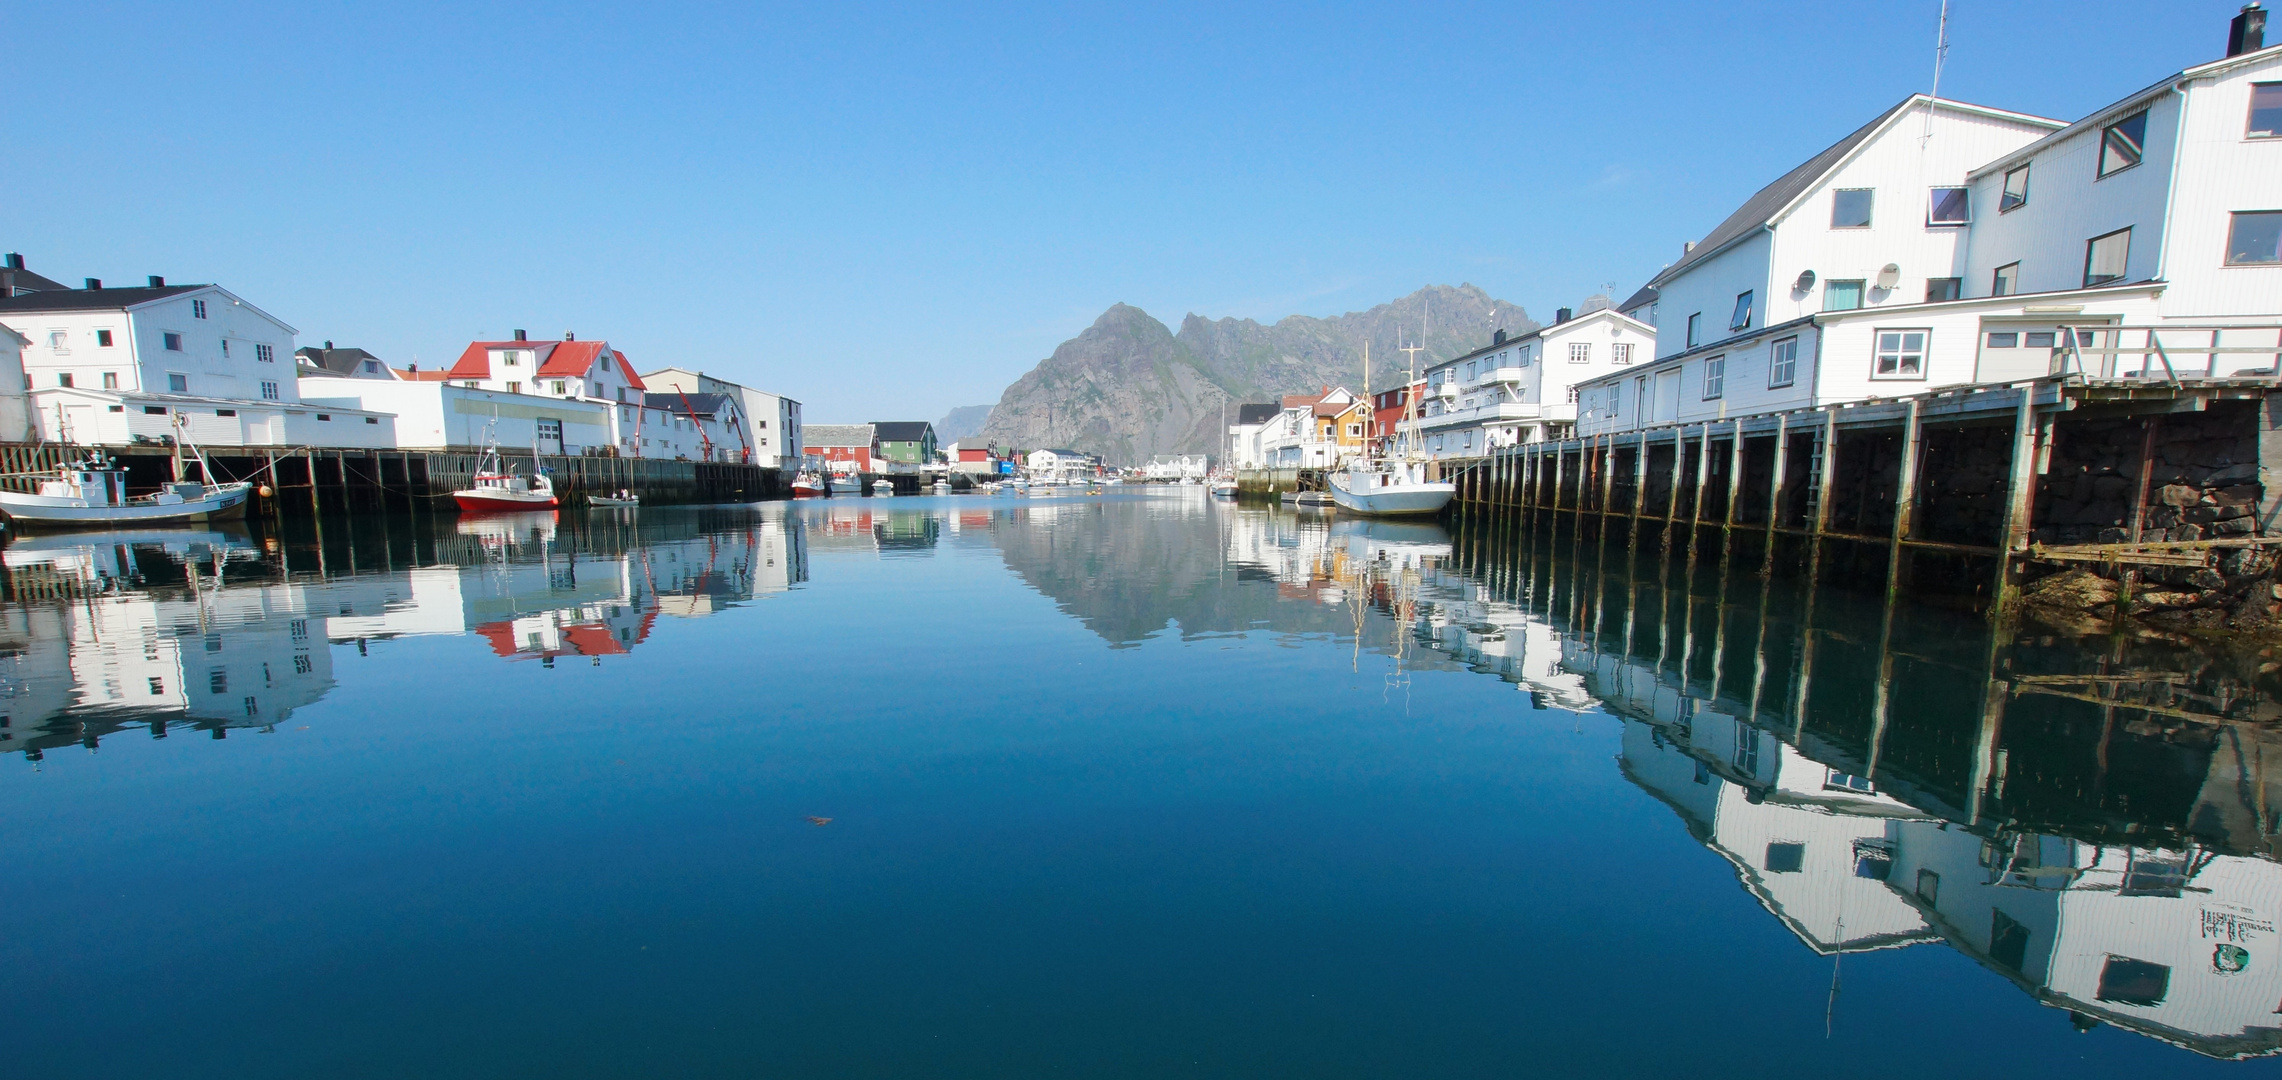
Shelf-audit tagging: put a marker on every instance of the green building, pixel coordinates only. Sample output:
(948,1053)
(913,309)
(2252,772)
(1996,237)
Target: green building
(907,442)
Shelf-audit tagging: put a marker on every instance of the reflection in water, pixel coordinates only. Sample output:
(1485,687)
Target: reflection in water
(2092,822)
(212,631)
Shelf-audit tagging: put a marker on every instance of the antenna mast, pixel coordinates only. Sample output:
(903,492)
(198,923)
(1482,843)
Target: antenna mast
(1940,54)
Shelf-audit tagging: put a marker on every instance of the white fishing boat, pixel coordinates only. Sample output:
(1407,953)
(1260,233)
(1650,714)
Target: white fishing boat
(807,486)
(94,492)
(847,483)
(622,500)
(1393,485)
(1224,488)
(498,488)
(883,486)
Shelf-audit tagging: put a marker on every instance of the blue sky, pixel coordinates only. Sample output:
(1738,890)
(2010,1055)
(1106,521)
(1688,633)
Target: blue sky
(889,210)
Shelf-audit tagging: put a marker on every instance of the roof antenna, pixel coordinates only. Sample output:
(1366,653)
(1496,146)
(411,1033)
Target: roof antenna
(1940,54)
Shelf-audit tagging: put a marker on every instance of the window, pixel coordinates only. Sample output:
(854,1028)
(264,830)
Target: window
(1901,354)
(1929,886)
(1784,857)
(102,339)
(266,353)
(324,416)
(1943,289)
(110,380)
(115,408)
(605,361)
(1841,295)
(269,391)
(1715,376)
(514,387)
(2016,191)
(2006,281)
(1850,208)
(1620,352)
(302,665)
(372,367)
(173,342)
(2255,238)
(559,387)
(1949,206)
(198,309)
(225,412)
(154,410)
(179,384)
(1574,393)
(1783,363)
(2039,339)
(510,358)
(59,341)
(157,685)
(2105,257)
(2008,940)
(2004,340)
(374,420)
(225,347)
(1695,330)
(63,378)
(2134,982)
(1470,372)
(218,681)
(2265,110)
(1580,352)
(2123,144)
(1741,320)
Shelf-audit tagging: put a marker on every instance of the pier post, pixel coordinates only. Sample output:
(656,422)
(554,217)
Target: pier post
(1775,488)
(1734,473)
(1825,478)
(1639,477)
(1905,499)
(2020,505)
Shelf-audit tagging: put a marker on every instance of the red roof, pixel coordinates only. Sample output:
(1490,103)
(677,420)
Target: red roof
(408,375)
(571,358)
(556,360)
(1301,401)
(633,381)
(475,362)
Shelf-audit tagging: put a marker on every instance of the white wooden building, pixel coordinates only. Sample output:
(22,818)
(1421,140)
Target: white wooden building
(1523,389)
(772,421)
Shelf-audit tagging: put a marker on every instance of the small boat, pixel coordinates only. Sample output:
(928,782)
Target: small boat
(498,487)
(847,484)
(94,492)
(620,500)
(807,486)
(1309,499)
(1390,489)
(942,487)
(1224,489)
(883,486)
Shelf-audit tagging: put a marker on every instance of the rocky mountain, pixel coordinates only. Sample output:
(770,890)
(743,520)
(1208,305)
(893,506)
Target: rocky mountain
(961,422)
(1129,387)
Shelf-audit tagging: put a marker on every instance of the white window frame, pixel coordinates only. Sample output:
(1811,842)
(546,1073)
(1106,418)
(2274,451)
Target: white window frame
(1933,198)
(1620,352)
(1783,363)
(1715,377)
(2124,269)
(2009,200)
(269,392)
(2002,283)
(1580,352)
(1879,352)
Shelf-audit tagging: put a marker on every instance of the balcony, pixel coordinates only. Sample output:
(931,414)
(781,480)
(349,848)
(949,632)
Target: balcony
(1493,412)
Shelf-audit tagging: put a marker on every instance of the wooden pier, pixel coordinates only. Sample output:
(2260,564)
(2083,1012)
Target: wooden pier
(2116,473)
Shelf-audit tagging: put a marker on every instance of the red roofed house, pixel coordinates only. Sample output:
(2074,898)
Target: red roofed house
(589,371)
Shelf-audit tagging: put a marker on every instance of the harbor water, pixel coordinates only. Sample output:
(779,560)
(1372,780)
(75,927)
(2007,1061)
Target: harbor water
(1141,784)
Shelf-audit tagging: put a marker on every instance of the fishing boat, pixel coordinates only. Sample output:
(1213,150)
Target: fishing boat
(883,486)
(94,492)
(807,486)
(498,487)
(847,483)
(1392,485)
(621,500)
(1224,488)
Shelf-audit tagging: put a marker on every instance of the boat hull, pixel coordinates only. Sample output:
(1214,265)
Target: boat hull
(228,503)
(495,502)
(1403,500)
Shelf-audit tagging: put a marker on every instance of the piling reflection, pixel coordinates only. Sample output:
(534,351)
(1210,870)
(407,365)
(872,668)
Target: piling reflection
(2091,820)
(212,631)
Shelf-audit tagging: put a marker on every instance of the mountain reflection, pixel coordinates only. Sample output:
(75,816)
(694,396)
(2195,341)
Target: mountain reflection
(171,630)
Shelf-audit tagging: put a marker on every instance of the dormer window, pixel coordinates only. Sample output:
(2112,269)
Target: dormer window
(511,358)
(605,361)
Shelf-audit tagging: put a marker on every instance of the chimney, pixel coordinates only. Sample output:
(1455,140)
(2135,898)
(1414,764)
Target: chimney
(1562,315)
(1498,338)
(157,282)
(328,344)
(94,283)
(15,261)
(568,336)
(519,336)
(2247,33)
(1687,248)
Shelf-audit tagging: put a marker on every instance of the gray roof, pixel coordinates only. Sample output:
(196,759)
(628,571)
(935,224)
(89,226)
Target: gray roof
(1257,414)
(836,435)
(675,401)
(92,299)
(1066,453)
(337,361)
(1646,295)
(903,430)
(1759,208)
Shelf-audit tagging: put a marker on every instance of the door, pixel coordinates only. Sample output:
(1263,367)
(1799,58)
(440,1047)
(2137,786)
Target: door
(550,435)
(1667,397)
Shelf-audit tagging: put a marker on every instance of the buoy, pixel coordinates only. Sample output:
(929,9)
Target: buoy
(265,491)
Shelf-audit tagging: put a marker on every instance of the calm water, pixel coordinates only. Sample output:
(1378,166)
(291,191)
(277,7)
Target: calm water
(1127,786)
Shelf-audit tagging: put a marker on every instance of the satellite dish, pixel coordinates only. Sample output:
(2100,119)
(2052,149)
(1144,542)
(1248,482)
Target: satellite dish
(1806,281)
(1889,276)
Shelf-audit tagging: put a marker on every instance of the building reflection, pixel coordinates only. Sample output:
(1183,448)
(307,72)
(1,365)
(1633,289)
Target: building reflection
(171,631)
